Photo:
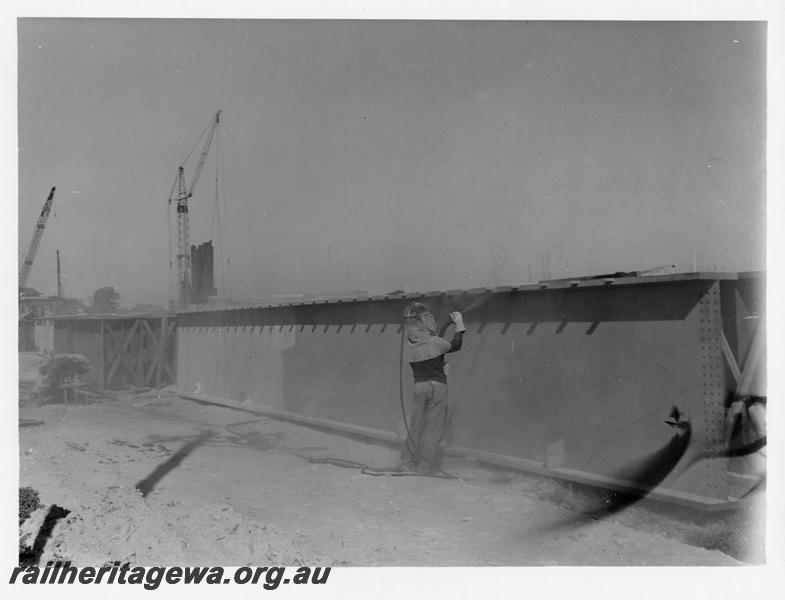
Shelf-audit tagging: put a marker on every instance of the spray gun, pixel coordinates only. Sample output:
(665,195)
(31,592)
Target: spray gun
(477,303)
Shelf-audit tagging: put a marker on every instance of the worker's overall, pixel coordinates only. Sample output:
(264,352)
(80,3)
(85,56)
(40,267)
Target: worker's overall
(428,427)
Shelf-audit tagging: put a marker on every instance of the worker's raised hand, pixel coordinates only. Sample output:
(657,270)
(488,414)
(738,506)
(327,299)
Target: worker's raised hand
(457,318)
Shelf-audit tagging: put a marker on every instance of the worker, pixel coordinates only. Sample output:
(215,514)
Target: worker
(425,351)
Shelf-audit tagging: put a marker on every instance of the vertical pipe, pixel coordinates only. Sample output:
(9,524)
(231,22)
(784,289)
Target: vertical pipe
(102,365)
(163,341)
(59,281)
(140,357)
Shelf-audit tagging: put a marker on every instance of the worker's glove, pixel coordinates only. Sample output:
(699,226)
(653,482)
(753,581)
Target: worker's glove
(458,320)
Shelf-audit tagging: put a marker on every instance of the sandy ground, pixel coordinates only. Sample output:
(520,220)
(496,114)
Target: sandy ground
(227,487)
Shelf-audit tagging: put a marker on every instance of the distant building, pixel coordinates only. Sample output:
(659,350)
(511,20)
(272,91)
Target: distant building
(202,284)
(39,306)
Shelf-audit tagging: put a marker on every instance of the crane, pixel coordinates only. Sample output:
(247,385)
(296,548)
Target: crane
(32,250)
(183,194)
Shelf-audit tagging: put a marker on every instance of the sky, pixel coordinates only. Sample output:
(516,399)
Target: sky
(384,155)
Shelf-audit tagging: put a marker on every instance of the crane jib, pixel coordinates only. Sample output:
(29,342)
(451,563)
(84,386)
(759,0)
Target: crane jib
(38,232)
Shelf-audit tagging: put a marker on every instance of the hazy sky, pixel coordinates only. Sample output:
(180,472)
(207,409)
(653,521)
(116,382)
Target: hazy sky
(382,155)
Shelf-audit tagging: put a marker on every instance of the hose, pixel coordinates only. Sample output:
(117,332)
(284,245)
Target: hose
(337,462)
(400,387)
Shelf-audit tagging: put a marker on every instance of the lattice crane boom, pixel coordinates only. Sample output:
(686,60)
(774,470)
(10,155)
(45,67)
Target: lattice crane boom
(38,233)
(203,156)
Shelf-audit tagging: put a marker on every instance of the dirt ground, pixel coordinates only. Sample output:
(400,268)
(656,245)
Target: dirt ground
(228,487)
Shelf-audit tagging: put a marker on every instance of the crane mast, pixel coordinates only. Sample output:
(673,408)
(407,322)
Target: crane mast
(38,232)
(183,194)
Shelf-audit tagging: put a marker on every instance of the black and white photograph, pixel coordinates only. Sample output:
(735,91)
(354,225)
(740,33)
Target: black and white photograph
(297,295)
